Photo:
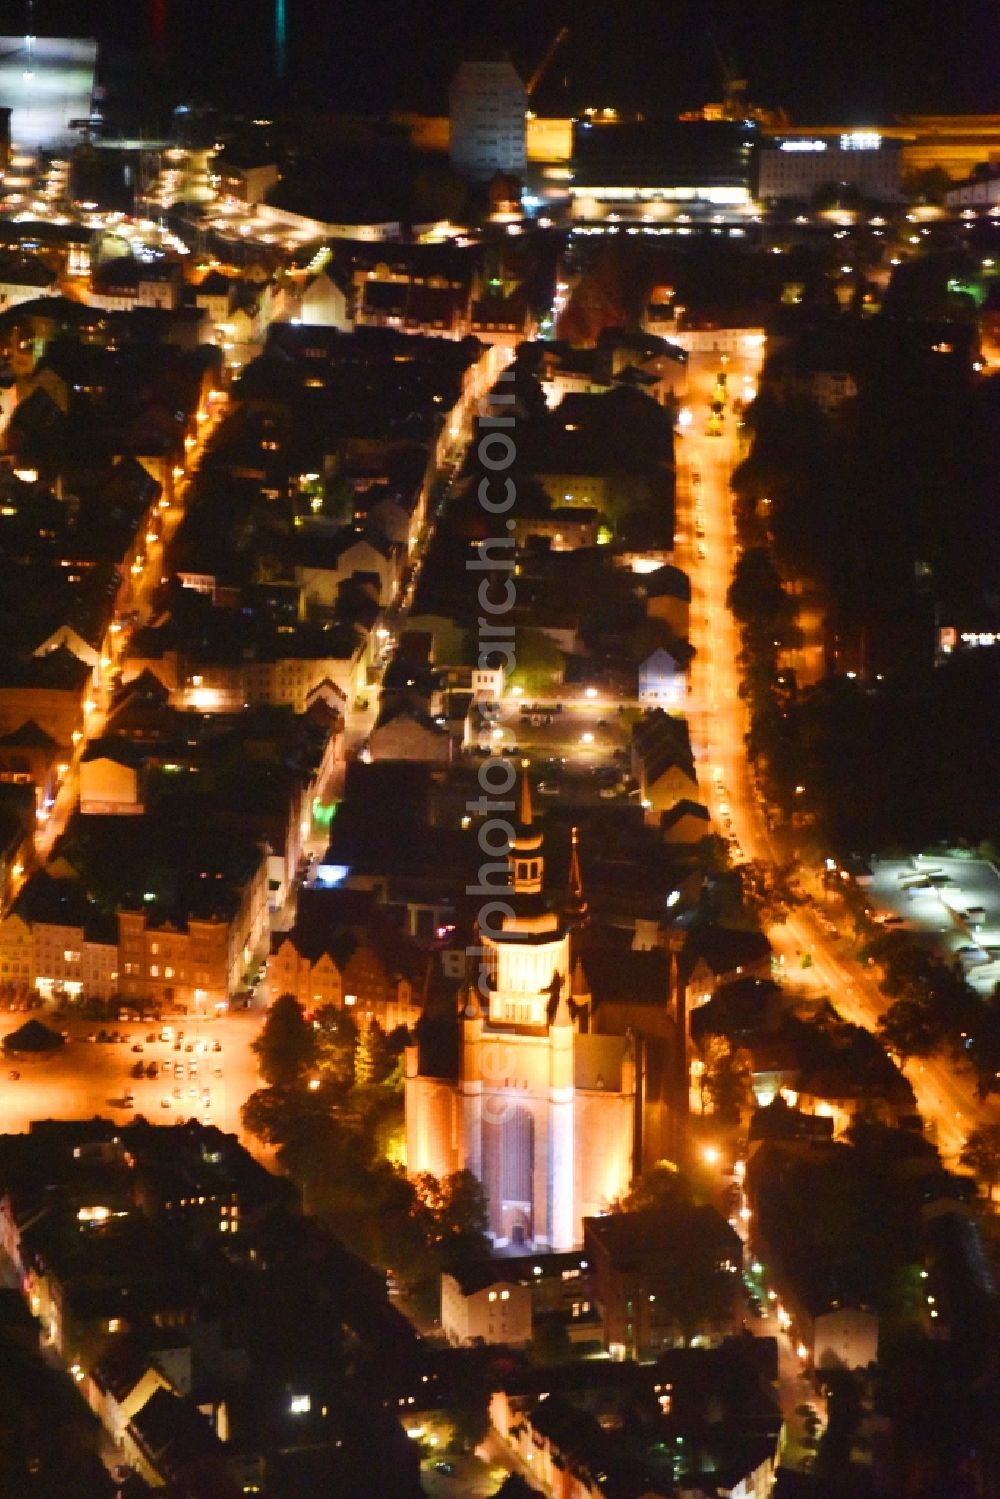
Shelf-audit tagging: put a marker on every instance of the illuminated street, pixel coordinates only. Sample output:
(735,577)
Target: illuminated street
(718,724)
(371,394)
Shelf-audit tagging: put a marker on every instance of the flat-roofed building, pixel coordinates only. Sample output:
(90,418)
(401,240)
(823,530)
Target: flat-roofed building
(798,166)
(657,169)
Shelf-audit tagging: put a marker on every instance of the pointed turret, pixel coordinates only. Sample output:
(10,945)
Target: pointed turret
(525,815)
(560,1013)
(576,910)
(526,859)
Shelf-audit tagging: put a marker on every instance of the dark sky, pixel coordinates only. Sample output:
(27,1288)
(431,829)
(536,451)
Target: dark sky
(851,60)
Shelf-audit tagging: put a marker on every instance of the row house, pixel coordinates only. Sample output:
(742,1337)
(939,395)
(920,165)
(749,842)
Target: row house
(56,942)
(368,983)
(30,757)
(355,556)
(123,284)
(437,304)
(335,672)
(662,764)
(49,690)
(195,961)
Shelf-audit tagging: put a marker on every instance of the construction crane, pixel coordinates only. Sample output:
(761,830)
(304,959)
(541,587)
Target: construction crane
(543,66)
(733,87)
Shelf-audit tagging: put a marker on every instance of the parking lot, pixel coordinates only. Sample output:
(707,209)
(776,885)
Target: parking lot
(953,903)
(578,751)
(203,1070)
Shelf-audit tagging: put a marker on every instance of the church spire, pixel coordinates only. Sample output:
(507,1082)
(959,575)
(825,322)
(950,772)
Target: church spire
(525,810)
(576,900)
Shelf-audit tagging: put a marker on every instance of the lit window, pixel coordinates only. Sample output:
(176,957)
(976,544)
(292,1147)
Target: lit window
(504,1295)
(114,1324)
(493,1295)
(168,973)
(154,971)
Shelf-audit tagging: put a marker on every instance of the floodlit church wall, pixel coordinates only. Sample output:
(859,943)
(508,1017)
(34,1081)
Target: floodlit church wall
(432,1126)
(604,1131)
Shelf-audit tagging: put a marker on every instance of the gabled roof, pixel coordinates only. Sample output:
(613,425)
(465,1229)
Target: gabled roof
(660,659)
(667,582)
(174,1433)
(406,708)
(627,977)
(24,270)
(215,284)
(58,670)
(114,747)
(685,808)
(477,1277)
(120,1367)
(28,736)
(724,949)
(499,312)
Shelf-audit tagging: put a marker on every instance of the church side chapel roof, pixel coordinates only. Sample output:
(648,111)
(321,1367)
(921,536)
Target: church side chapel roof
(617,976)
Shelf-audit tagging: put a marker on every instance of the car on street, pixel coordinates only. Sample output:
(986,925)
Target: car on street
(137,1046)
(165,1103)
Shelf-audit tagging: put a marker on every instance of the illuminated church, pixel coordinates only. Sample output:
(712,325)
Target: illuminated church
(543,1109)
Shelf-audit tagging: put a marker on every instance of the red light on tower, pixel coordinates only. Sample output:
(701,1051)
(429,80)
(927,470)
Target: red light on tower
(158,29)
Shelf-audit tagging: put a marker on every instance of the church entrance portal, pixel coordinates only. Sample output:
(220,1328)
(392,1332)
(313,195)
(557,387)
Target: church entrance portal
(509,1171)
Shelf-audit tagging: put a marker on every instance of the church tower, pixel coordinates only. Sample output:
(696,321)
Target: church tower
(542,1108)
